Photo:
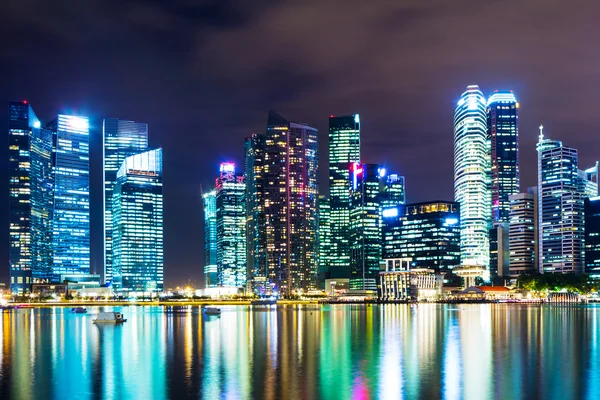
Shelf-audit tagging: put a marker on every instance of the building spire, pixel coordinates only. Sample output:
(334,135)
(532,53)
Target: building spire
(541,132)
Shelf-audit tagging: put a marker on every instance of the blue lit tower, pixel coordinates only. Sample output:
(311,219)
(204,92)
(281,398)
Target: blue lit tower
(121,139)
(231,227)
(560,208)
(503,130)
(344,150)
(472,180)
(210,239)
(71,223)
(137,212)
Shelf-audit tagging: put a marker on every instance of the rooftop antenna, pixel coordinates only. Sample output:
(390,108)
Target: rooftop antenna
(541,132)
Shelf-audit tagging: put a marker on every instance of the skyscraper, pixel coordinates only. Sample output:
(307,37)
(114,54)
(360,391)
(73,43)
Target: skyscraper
(344,150)
(523,233)
(428,233)
(231,227)
(324,233)
(290,176)
(210,239)
(137,234)
(71,215)
(472,178)
(502,126)
(121,139)
(592,236)
(560,208)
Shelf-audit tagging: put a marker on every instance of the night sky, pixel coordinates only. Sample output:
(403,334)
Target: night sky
(203,75)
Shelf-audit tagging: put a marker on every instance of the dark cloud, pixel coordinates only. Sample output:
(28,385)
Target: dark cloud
(204,73)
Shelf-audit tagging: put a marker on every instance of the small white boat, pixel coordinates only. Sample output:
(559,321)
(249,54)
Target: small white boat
(109,317)
(211,311)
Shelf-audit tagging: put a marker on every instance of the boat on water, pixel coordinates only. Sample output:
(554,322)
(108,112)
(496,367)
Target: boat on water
(78,310)
(109,317)
(211,311)
(263,302)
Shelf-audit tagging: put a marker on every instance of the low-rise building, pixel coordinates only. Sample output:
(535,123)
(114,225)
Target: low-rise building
(485,293)
(407,284)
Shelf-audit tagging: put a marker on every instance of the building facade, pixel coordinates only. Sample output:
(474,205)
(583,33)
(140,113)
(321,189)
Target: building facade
(472,176)
(231,227)
(324,234)
(344,150)
(121,139)
(137,235)
(210,239)
(592,236)
(523,233)
(426,233)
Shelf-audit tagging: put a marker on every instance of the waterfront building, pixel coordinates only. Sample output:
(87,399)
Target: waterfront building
(503,130)
(210,239)
(290,179)
(408,284)
(472,176)
(344,150)
(324,234)
(137,228)
(427,233)
(71,213)
(230,218)
(499,250)
(592,236)
(560,208)
(523,233)
(121,139)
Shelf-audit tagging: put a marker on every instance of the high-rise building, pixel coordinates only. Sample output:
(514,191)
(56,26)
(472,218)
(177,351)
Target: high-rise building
(499,250)
(592,236)
(523,233)
(427,233)
(71,214)
(472,176)
(290,177)
(121,139)
(344,150)
(560,208)
(324,234)
(231,227)
(502,125)
(210,239)
(137,229)
(588,181)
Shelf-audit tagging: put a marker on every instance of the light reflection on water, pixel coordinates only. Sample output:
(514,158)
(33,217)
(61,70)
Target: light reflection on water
(330,352)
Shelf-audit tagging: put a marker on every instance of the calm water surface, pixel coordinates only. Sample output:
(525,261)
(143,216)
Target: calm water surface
(305,352)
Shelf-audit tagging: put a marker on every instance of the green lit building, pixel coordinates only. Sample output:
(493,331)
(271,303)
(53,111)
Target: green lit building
(324,234)
(210,239)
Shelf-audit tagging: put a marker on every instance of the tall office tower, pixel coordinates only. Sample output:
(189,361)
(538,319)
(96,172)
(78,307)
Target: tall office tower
(592,236)
(121,140)
(71,219)
(137,234)
(523,233)
(324,234)
(393,190)
(256,254)
(472,176)
(290,177)
(502,127)
(30,200)
(210,239)
(588,181)
(344,150)
(231,227)
(560,208)
(428,233)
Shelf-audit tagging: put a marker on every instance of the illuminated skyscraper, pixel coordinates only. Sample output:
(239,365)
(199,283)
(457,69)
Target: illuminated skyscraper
(344,150)
(560,208)
(523,233)
(472,179)
(231,227)
(324,233)
(137,235)
(71,215)
(290,176)
(210,239)
(121,140)
(592,236)
(503,122)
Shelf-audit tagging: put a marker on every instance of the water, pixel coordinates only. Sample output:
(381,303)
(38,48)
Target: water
(305,352)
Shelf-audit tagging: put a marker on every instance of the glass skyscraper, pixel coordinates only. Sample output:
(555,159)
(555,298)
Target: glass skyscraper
(472,176)
(231,227)
(523,233)
(71,222)
(137,235)
(428,233)
(324,233)
(592,236)
(121,139)
(503,122)
(210,239)
(344,150)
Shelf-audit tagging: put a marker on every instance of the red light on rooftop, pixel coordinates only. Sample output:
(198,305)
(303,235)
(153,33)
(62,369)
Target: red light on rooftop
(331,116)
(24,101)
